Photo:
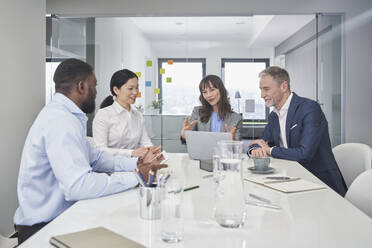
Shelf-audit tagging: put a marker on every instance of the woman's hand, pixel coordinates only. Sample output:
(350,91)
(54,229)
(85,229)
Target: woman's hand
(145,168)
(187,126)
(232,131)
(153,155)
(140,152)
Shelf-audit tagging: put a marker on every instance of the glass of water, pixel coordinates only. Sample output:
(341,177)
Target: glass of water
(216,163)
(171,211)
(230,206)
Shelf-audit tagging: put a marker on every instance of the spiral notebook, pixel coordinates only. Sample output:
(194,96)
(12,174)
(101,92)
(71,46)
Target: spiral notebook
(93,238)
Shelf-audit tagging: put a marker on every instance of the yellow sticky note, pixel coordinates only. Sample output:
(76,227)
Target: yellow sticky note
(148,63)
(138,74)
(169,80)
(139,94)
(157,91)
(162,71)
(170,62)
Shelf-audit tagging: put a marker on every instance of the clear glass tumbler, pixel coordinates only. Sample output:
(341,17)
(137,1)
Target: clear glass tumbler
(171,211)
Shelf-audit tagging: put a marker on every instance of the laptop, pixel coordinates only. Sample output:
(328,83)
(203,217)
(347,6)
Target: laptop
(200,144)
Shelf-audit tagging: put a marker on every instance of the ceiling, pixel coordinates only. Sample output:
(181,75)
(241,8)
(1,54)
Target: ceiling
(255,31)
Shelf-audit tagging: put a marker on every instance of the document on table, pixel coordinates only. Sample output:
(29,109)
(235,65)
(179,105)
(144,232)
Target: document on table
(286,185)
(95,237)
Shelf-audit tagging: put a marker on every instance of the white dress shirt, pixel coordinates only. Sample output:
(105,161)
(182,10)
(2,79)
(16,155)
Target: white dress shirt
(282,116)
(119,131)
(58,165)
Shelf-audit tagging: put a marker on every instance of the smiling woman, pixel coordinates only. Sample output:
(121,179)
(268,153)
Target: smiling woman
(117,127)
(215,114)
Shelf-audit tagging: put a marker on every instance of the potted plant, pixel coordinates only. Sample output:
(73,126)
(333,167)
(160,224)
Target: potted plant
(156,105)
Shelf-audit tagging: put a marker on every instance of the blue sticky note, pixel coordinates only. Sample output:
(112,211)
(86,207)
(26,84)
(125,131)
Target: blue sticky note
(148,83)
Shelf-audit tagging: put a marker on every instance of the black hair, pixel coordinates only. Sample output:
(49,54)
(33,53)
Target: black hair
(118,79)
(70,72)
(223,105)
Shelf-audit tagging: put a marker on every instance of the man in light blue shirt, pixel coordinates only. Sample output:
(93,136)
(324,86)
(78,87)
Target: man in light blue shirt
(58,165)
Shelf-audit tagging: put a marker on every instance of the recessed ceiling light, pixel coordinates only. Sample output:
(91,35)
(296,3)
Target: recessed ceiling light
(179,23)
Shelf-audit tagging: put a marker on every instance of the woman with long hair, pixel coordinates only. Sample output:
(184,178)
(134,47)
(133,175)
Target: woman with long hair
(117,127)
(215,114)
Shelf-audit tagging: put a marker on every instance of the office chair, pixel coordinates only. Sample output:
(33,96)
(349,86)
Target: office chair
(360,192)
(352,159)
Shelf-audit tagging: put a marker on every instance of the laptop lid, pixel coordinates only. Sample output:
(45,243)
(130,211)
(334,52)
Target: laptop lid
(200,144)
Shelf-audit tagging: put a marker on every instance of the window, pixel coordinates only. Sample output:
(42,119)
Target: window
(50,68)
(242,83)
(179,85)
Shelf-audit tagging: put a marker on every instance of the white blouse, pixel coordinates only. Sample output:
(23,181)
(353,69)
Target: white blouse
(119,131)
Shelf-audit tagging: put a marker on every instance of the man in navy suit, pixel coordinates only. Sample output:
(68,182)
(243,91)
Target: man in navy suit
(297,130)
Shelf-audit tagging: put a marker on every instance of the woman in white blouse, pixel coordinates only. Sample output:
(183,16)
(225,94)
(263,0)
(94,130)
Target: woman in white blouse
(117,127)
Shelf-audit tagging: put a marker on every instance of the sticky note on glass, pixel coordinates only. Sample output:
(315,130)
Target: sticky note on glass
(170,62)
(148,83)
(138,74)
(148,63)
(139,94)
(157,91)
(169,80)
(162,71)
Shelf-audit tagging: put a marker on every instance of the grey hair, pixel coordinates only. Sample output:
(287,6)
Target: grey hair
(279,74)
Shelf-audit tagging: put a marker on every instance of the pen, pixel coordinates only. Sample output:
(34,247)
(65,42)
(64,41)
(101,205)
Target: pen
(157,156)
(191,188)
(283,181)
(150,180)
(260,198)
(139,177)
(278,178)
(263,205)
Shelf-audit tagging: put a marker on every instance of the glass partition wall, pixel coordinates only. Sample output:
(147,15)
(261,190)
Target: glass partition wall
(170,55)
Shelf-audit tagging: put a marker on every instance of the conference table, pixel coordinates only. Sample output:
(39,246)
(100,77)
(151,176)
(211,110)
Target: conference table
(317,218)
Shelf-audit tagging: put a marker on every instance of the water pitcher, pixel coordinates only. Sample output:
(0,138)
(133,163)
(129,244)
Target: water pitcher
(230,207)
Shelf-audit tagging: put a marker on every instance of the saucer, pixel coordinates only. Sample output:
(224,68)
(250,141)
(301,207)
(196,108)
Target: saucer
(268,171)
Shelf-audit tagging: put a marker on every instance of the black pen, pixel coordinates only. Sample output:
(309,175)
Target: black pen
(191,188)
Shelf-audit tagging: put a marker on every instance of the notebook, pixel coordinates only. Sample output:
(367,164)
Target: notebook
(296,185)
(93,238)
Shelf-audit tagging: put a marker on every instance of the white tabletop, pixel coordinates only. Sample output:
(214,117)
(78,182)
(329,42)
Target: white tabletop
(319,218)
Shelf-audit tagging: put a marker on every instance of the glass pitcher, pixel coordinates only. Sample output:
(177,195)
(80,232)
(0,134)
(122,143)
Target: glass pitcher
(230,207)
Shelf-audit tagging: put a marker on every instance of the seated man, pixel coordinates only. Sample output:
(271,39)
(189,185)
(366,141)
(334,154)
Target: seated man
(58,165)
(297,130)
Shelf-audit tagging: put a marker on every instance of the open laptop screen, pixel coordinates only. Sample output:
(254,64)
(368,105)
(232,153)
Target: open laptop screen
(200,144)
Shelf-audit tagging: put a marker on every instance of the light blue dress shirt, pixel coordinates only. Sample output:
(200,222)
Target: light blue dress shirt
(59,167)
(216,122)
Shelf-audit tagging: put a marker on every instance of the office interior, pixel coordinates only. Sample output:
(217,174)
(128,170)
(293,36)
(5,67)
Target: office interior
(324,45)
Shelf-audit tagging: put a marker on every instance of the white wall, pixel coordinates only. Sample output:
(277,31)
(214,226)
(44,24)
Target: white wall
(120,44)
(358,36)
(22,86)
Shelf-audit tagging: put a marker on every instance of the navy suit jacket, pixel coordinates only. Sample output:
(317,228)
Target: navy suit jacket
(308,141)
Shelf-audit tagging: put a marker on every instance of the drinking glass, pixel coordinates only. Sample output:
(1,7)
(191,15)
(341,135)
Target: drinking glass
(171,211)
(216,162)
